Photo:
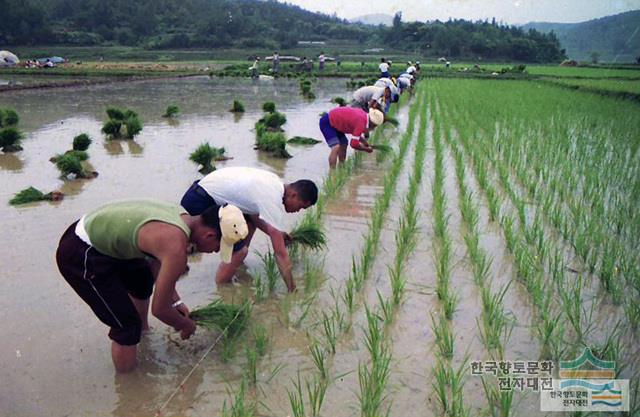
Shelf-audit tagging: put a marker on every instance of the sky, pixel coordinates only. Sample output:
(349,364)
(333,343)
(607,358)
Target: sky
(507,11)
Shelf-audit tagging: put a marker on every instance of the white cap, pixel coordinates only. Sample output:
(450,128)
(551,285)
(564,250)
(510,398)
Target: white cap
(376,116)
(233,227)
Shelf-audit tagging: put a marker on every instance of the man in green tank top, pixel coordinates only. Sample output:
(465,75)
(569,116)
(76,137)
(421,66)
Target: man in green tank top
(113,257)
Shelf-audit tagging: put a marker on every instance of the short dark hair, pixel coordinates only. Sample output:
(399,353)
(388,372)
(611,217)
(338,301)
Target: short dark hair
(307,190)
(210,218)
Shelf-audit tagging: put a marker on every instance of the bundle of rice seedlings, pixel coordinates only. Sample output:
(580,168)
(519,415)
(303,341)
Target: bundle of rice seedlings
(237,107)
(79,155)
(121,124)
(274,142)
(203,155)
(219,154)
(391,120)
(69,164)
(339,101)
(302,140)
(274,120)
(10,138)
(81,142)
(269,107)
(8,117)
(309,235)
(172,111)
(31,194)
(229,318)
(382,148)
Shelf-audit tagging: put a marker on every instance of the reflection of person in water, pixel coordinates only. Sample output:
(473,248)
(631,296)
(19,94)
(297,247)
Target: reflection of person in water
(113,257)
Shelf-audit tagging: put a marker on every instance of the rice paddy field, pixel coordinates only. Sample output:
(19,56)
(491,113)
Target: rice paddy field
(502,227)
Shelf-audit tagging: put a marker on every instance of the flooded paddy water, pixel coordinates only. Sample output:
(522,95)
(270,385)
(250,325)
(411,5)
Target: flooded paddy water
(55,354)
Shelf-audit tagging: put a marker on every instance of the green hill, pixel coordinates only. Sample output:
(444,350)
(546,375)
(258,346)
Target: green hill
(615,38)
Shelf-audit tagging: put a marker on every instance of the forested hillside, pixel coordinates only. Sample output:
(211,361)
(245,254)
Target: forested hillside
(158,24)
(611,38)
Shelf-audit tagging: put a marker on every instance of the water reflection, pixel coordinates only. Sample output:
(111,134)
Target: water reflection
(73,187)
(237,116)
(173,122)
(278,165)
(114,147)
(11,162)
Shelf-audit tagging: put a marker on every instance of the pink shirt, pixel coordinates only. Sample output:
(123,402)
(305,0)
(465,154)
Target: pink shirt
(349,120)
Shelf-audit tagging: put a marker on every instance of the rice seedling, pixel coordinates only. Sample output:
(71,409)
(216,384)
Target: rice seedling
(372,384)
(296,399)
(260,287)
(10,138)
(237,107)
(450,303)
(79,155)
(313,275)
(239,407)
(308,235)
(203,155)
(31,194)
(632,311)
(301,140)
(251,370)
(270,269)
(386,307)
(274,120)
(81,142)
(499,401)
(316,391)
(261,339)
(444,337)
(398,283)
(441,372)
(172,111)
(269,107)
(348,294)
(319,360)
(232,319)
(330,333)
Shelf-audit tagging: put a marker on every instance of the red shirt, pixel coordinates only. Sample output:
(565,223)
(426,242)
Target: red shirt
(349,120)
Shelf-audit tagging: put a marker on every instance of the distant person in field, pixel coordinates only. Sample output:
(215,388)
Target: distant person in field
(384,68)
(370,97)
(113,257)
(263,199)
(411,69)
(342,121)
(321,60)
(276,62)
(255,68)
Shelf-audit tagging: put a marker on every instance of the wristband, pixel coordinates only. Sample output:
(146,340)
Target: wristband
(177,303)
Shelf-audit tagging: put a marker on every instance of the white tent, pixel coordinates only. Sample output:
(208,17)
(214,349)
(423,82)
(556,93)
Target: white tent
(8,59)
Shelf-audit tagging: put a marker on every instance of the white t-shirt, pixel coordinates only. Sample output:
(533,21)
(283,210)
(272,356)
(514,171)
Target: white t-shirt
(252,190)
(383,82)
(405,75)
(368,93)
(411,69)
(404,82)
(384,67)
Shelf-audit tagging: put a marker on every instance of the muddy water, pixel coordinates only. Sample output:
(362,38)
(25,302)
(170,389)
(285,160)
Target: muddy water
(54,352)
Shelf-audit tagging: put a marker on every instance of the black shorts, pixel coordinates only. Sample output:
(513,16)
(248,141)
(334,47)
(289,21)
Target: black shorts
(105,283)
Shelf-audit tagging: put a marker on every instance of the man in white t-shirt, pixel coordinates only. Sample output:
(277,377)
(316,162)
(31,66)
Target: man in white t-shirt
(411,69)
(384,68)
(264,199)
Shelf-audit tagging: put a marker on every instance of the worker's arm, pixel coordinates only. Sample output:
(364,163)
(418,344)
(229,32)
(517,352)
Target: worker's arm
(280,251)
(168,244)
(361,144)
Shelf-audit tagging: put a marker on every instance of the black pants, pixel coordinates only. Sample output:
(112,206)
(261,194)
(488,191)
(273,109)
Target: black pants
(105,283)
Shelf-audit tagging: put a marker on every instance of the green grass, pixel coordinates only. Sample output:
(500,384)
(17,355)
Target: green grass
(203,156)
(172,111)
(28,195)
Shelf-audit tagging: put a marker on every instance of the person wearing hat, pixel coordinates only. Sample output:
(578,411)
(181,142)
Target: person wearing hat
(339,122)
(394,94)
(410,69)
(263,199)
(114,256)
